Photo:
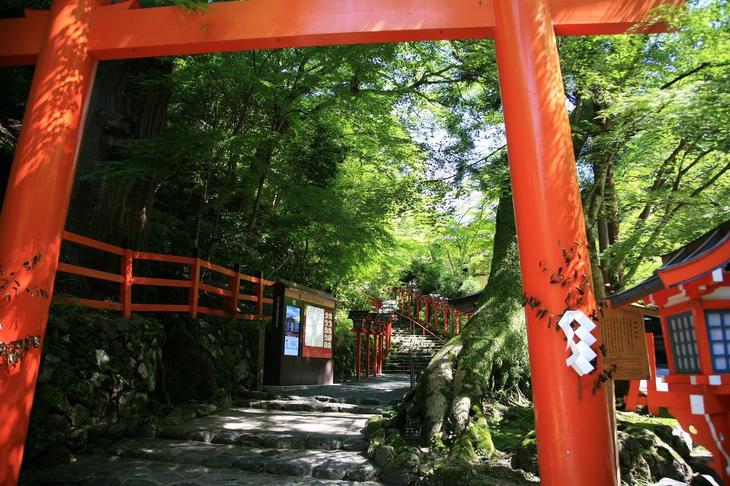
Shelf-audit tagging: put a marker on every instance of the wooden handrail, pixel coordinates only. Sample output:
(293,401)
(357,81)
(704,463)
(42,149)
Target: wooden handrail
(84,241)
(411,302)
(420,325)
(127,280)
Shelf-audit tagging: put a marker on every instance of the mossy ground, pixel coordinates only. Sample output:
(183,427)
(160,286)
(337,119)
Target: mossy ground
(510,424)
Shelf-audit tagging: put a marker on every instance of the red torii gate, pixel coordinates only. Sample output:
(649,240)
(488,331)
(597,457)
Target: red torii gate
(66,43)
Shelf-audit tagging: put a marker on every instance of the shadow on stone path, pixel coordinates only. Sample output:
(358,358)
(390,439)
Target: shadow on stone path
(299,437)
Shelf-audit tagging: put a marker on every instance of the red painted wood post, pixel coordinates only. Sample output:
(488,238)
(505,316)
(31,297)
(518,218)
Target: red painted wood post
(194,293)
(234,285)
(359,352)
(651,391)
(418,307)
(576,437)
(125,291)
(36,204)
(402,300)
(367,354)
(260,295)
(377,354)
(374,356)
(458,322)
(446,320)
(382,352)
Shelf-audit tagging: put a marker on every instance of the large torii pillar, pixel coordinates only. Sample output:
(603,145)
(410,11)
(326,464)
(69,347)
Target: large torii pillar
(34,211)
(575,438)
(574,435)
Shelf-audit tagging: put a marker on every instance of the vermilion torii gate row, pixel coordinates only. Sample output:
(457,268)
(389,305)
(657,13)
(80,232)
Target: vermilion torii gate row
(573,426)
(376,333)
(437,313)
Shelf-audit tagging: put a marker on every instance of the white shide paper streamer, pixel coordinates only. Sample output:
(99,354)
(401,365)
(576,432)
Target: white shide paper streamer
(582,355)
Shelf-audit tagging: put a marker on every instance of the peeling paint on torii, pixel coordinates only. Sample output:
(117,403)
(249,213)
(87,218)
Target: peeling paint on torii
(65,44)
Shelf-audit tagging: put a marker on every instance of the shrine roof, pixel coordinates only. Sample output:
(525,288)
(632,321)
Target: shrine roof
(702,255)
(296,286)
(466,303)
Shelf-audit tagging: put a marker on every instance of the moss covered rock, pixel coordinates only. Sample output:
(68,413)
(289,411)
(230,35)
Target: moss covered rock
(644,457)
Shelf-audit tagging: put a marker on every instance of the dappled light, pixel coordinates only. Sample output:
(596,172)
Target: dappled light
(217,185)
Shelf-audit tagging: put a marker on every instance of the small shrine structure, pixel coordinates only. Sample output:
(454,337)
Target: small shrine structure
(299,340)
(692,292)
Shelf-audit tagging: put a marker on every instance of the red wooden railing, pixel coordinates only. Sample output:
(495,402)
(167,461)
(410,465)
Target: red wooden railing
(430,312)
(127,280)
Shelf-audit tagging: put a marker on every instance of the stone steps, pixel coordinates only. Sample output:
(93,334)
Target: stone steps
(264,395)
(311,404)
(114,471)
(406,346)
(304,405)
(267,439)
(276,429)
(321,464)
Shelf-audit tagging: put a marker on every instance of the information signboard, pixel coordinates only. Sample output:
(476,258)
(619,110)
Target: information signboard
(299,339)
(625,342)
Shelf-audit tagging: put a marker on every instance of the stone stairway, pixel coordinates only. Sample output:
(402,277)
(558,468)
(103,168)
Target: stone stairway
(265,439)
(405,345)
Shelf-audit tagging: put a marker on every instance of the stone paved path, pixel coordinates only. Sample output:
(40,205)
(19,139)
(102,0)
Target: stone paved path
(299,437)
(384,389)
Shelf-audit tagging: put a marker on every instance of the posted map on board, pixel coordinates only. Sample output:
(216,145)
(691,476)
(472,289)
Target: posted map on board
(314,335)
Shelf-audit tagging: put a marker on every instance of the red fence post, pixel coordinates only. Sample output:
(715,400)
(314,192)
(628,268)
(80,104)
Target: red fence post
(359,352)
(234,285)
(631,401)
(376,339)
(374,356)
(260,295)
(367,355)
(195,287)
(458,321)
(125,292)
(651,391)
(380,354)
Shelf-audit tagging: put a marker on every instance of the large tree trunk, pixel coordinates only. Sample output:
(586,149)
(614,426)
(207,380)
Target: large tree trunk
(123,108)
(488,358)
(129,102)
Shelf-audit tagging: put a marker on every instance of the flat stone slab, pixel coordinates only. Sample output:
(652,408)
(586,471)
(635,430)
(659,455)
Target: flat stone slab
(311,404)
(116,471)
(384,389)
(275,429)
(318,463)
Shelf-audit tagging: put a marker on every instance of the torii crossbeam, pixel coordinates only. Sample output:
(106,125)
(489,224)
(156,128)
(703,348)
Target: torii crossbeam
(65,44)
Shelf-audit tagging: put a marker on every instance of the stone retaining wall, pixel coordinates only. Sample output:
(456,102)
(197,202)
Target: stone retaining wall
(103,377)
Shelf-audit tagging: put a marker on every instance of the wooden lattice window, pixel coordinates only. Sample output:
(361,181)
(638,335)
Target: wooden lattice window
(684,343)
(718,331)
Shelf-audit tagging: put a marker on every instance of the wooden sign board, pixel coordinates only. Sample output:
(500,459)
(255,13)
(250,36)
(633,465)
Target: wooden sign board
(625,341)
